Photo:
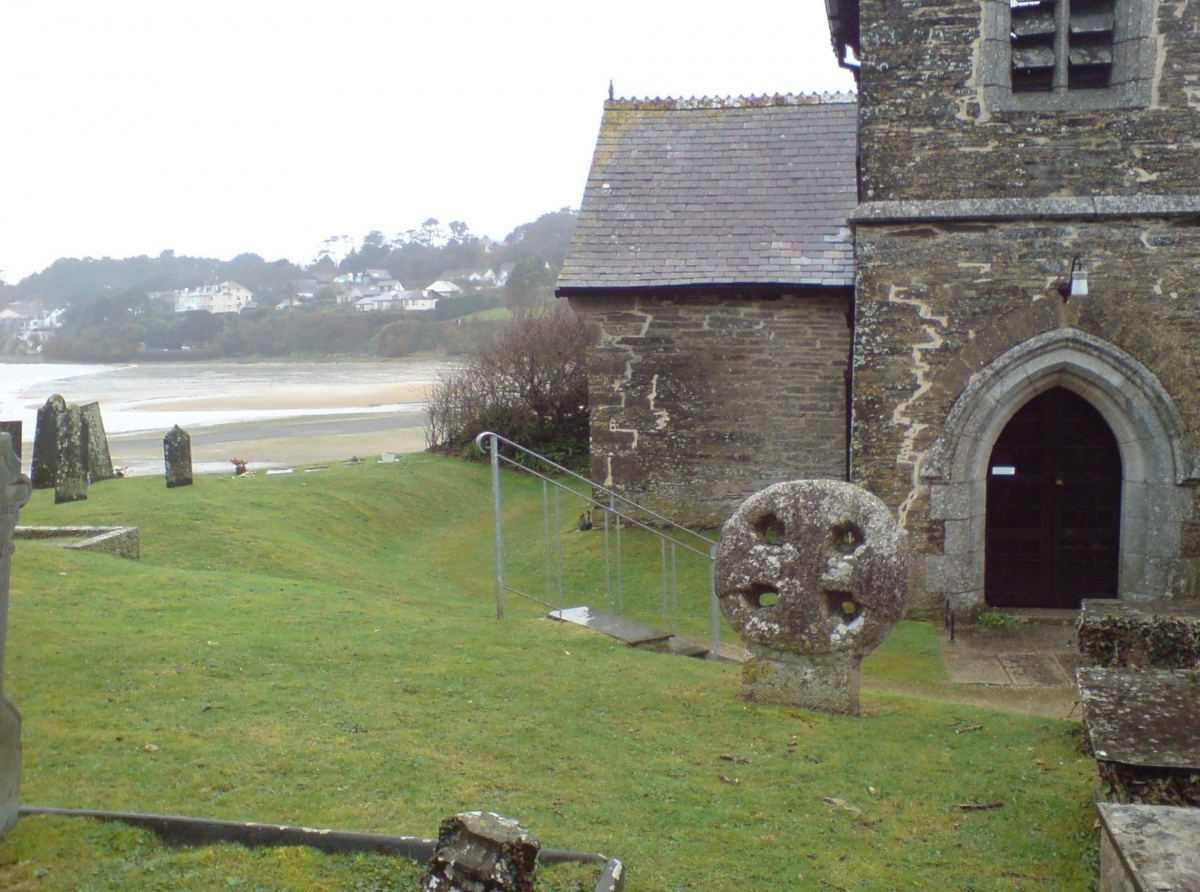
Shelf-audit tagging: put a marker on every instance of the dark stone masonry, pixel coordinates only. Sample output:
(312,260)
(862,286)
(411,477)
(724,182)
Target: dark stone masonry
(1009,213)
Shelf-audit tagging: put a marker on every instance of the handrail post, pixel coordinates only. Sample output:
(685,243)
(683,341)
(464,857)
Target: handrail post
(498,537)
(714,608)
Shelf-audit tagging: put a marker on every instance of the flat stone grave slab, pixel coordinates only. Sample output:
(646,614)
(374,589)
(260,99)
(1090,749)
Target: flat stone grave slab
(1144,730)
(1161,633)
(1147,848)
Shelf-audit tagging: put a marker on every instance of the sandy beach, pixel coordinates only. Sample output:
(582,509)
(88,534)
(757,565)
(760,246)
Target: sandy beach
(272,414)
(269,443)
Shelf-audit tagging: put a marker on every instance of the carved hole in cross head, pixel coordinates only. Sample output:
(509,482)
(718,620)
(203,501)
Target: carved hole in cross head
(769,528)
(762,595)
(847,536)
(842,606)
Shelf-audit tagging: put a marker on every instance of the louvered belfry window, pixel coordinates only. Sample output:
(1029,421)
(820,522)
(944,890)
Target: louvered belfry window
(1060,45)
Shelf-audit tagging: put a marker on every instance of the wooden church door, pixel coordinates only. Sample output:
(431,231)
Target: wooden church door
(1053,506)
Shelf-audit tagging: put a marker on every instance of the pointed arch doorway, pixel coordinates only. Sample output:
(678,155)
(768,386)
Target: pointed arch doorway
(1053,521)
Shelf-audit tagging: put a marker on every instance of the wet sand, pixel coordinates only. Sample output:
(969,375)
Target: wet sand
(284,442)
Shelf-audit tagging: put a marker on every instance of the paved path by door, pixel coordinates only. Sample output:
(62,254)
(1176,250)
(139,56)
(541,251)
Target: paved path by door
(1038,651)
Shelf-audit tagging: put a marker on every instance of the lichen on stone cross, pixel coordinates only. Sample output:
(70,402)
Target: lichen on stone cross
(813,574)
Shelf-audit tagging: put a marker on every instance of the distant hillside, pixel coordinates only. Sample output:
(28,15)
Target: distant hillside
(113,314)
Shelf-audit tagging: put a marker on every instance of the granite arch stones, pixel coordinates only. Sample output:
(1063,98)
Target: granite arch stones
(1158,457)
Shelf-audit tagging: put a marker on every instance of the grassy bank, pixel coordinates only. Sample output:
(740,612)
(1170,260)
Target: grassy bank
(321,649)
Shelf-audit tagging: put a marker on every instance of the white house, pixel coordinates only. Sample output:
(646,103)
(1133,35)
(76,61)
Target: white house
(228,297)
(418,300)
(442,288)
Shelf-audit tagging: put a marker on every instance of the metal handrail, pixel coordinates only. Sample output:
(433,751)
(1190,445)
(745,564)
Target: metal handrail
(705,550)
(612,494)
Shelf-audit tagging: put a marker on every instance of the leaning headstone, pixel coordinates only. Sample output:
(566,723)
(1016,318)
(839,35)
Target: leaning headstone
(813,574)
(70,482)
(177,455)
(98,460)
(43,465)
(13,429)
(15,490)
(479,851)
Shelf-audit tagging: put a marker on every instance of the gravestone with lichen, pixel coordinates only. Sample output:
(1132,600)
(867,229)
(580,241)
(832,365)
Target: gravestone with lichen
(177,456)
(43,465)
(15,490)
(813,574)
(479,851)
(97,458)
(70,478)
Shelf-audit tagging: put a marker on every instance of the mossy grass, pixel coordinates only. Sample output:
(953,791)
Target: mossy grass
(322,649)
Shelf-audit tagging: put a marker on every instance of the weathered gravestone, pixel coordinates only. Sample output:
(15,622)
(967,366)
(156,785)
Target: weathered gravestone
(813,574)
(177,455)
(70,449)
(43,465)
(97,458)
(70,479)
(13,429)
(15,490)
(482,852)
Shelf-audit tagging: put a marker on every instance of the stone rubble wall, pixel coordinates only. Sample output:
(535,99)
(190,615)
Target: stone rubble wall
(698,401)
(938,302)
(926,131)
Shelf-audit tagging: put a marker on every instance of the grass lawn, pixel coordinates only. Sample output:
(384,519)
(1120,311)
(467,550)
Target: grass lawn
(321,649)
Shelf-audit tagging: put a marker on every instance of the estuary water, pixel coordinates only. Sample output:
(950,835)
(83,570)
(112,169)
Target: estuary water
(225,403)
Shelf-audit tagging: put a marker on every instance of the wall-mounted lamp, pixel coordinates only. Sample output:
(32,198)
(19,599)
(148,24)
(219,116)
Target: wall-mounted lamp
(1078,285)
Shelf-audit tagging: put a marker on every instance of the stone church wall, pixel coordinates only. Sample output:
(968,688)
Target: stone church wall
(699,400)
(938,302)
(927,131)
(975,201)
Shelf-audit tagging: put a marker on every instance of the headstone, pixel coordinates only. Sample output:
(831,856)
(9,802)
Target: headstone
(70,481)
(482,852)
(1143,727)
(13,429)
(43,465)
(98,459)
(15,490)
(177,455)
(813,574)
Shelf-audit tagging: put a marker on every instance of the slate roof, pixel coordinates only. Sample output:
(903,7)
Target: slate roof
(718,191)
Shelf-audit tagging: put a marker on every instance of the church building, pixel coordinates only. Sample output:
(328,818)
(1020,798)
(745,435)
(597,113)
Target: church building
(971,288)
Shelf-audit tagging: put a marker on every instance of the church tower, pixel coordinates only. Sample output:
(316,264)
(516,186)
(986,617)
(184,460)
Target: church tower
(1027,315)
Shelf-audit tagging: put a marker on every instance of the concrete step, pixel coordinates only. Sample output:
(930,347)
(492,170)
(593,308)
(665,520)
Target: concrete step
(629,631)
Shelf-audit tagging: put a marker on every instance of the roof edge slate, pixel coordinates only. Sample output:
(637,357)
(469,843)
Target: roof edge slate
(728,102)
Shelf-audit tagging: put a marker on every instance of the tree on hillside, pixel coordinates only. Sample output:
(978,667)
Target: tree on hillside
(549,236)
(529,384)
(530,284)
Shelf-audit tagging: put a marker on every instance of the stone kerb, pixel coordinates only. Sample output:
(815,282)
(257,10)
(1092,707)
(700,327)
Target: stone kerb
(15,490)
(125,541)
(813,574)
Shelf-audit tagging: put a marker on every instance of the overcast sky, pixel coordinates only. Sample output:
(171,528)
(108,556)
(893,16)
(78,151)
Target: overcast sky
(214,127)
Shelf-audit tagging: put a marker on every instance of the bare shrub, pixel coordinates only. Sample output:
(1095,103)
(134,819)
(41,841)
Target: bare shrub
(528,384)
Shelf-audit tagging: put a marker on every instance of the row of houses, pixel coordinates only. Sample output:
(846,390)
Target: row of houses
(29,324)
